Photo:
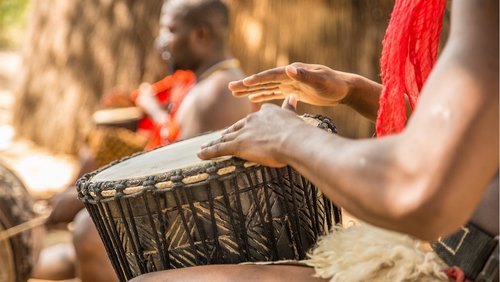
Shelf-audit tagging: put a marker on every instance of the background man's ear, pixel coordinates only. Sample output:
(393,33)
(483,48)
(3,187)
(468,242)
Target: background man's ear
(201,33)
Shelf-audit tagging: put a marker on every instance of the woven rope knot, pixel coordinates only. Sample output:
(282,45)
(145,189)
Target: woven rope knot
(176,178)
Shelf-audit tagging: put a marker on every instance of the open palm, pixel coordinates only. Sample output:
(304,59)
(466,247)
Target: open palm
(312,84)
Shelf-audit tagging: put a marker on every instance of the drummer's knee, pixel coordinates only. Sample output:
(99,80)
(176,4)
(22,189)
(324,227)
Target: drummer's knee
(85,235)
(93,262)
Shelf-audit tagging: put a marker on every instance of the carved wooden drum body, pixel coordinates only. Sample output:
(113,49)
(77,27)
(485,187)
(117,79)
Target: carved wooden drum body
(167,209)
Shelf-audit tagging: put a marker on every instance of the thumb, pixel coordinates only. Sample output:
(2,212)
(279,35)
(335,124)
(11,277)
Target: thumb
(290,103)
(297,73)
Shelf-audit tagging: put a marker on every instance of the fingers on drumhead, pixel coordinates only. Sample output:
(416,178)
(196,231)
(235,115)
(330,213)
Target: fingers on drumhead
(228,137)
(235,127)
(215,150)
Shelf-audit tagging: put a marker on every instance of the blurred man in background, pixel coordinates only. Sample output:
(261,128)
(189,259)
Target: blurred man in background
(193,36)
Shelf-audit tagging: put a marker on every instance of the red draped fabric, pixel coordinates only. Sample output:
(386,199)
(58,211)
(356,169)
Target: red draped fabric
(409,52)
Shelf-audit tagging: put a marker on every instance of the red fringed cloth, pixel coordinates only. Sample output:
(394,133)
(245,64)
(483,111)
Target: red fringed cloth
(409,52)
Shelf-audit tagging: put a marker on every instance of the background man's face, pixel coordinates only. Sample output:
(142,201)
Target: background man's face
(173,42)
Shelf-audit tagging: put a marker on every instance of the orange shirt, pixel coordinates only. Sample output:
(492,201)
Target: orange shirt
(170,91)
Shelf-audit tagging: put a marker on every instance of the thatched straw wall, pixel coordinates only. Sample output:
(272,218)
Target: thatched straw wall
(76,51)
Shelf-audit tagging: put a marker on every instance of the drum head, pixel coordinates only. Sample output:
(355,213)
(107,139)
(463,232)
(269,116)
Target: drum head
(162,160)
(176,156)
(117,116)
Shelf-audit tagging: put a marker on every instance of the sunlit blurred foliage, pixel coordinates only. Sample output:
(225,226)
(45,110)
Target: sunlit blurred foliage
(12,22)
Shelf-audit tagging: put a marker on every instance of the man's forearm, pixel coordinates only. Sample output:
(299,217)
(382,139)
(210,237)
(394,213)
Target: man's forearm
(365,178)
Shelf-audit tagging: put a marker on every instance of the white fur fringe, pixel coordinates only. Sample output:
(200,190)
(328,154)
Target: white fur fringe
(366,253)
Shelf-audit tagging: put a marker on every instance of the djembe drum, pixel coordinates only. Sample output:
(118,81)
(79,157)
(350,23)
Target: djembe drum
(16,206)
(114,135)
(167,209)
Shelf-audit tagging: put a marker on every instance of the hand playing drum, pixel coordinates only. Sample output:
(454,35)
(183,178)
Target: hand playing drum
(166,209)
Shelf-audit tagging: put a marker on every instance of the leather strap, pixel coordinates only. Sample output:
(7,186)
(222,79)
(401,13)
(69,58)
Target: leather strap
(470,249)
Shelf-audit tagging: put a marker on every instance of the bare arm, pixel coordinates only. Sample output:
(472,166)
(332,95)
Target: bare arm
(435,173)
(313,84)
(425,181)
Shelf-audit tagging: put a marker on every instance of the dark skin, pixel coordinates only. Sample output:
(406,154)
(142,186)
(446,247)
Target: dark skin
(453,136)
(65,206)
(313,84)
(233,273)
(93,262)
(458,110)
(209,105)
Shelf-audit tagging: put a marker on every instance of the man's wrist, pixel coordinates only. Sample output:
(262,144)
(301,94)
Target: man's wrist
(289,148)
(363,96)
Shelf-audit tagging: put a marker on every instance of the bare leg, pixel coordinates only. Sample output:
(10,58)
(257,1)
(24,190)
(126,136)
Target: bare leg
(93,262)
(232,272)
(55,263)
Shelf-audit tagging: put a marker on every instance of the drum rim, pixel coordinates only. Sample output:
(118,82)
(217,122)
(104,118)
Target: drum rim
(100,118)
(89,191)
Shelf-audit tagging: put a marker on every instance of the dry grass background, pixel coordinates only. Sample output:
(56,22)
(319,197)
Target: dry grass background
(70,63)
(43,172)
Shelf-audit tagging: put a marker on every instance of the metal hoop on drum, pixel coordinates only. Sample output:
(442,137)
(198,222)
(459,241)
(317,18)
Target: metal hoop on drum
(166,209)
